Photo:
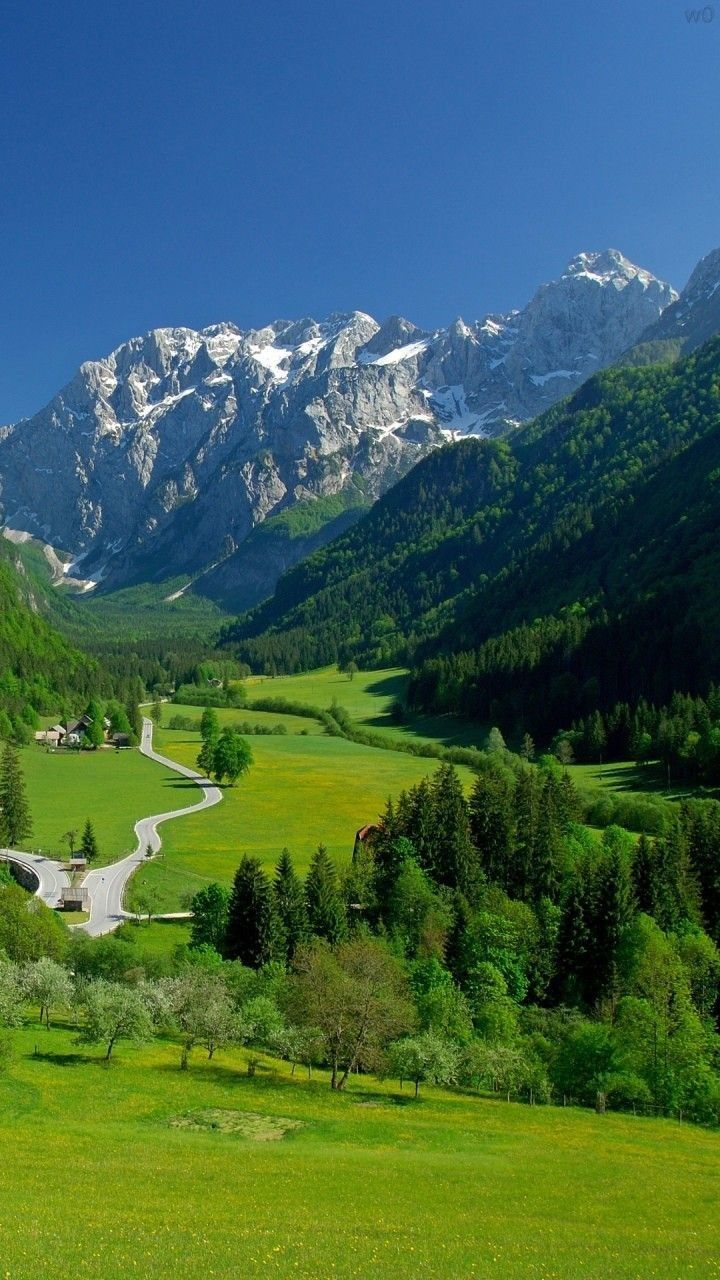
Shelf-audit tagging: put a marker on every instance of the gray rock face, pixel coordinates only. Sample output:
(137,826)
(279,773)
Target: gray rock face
(695,316)
(161,458)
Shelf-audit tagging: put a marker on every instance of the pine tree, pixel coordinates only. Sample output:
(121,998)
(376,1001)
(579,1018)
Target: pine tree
(206,757)
(596,736)
(15,820)
(613,910)
(544,875)
(134,717)
(415,819)
(574,950)
(643,875)
(325,912)
(289,905)
(88,844)
(676,882)
(251,934)
(492,824)
(455,858)
(526,811)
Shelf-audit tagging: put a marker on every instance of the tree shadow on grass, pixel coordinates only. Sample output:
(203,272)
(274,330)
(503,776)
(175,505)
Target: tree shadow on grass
(389,687)
(180,784)
(67,1059)
(373,1098)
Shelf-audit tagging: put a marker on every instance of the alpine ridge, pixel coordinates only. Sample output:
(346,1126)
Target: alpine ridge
(162,459)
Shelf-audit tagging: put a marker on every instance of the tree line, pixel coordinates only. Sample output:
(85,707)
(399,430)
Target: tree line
(521,935)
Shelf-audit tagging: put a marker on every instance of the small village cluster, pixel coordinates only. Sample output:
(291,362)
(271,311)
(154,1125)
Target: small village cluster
(73,735)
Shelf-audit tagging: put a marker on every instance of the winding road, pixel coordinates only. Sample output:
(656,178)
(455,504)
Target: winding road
(51,876)
(106,885)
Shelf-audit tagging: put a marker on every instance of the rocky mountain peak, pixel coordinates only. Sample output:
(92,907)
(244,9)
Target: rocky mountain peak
(154,460)
(693,317)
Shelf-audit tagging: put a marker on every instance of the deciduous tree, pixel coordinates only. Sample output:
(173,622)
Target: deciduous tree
(357,996)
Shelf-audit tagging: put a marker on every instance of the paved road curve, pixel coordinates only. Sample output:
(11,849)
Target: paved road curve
(51,877)
(107,884)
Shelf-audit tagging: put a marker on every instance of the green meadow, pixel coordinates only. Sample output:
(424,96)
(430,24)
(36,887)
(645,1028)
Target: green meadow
(113,788)
(140,1169)
(234,716)
(368,698)
(301,791)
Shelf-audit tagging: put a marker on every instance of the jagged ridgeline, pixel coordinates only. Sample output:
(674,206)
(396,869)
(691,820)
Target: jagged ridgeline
(40,672)
(533,579)
(162,462)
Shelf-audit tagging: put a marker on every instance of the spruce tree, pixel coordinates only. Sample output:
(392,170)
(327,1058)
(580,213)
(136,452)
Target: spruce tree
(290,908)
(492,824)
(15,820)
(455,858)
(613,910)
(251,935)
(325,911)
(88,844)
(596,737)
(416,820)
(677,895)
(390,846)
(526,812)
(206,758)
(544,877)
(643,875)
(574,949)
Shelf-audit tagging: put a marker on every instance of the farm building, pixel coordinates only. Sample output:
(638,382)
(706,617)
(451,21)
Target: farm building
(75,898)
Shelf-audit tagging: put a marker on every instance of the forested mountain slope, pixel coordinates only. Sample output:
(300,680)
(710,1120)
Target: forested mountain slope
(39,671)
(569,567)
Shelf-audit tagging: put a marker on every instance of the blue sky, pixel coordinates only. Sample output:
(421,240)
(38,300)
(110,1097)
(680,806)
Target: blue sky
(184,163)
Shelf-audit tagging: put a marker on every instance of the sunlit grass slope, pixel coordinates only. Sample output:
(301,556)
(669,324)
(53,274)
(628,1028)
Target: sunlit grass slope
(96,1181)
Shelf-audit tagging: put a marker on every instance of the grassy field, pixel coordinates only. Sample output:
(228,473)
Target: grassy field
(112,788)
(237,716)
(157,937)
(368,698)
(300,792)
(628,776)
(97,1180)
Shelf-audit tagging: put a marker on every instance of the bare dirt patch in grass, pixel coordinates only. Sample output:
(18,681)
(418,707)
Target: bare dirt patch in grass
(246,1124)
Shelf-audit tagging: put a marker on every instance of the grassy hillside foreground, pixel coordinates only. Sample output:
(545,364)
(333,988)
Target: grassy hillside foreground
(98,1180)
